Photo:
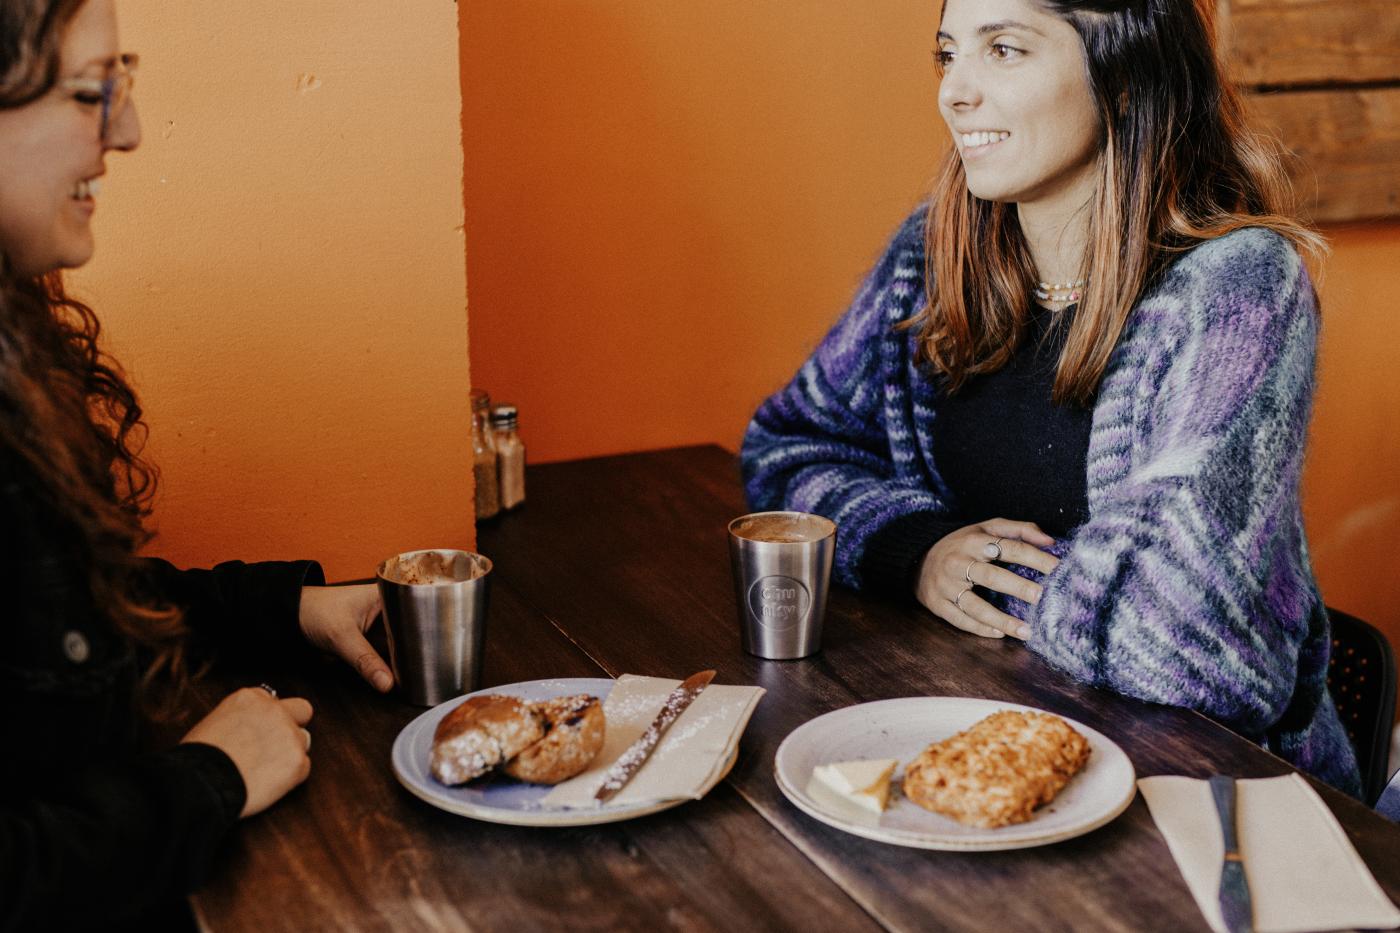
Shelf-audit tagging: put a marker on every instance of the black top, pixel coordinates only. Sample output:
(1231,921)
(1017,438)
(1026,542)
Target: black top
(95,832)
(1004,449)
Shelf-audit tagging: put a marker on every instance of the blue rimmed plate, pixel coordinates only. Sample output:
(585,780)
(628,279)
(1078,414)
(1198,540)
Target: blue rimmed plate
(502,800)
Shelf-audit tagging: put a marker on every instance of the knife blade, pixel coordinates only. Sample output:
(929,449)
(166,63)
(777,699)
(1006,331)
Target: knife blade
(636,754)
(1235,904)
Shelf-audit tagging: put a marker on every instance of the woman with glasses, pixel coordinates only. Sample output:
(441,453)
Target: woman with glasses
(1069,404)
(95,831)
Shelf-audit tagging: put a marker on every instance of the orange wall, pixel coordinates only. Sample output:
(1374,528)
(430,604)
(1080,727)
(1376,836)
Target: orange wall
(1351,484)
(668,204)
(280,268)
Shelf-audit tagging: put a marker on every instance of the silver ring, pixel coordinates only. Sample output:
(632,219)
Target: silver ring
(957,600)
(268,687)
(993,549)
(967,574)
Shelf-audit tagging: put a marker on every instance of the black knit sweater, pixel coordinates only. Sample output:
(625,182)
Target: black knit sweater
(1005,450)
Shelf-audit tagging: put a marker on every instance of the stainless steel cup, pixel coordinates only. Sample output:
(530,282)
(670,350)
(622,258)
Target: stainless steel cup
(435,610)
(782,571)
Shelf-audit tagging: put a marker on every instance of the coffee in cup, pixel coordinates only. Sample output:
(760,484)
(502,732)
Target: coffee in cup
(435,616)
(782,571)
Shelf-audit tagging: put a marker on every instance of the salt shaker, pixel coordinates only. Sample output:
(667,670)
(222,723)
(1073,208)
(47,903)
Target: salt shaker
(510,455)
(488,496)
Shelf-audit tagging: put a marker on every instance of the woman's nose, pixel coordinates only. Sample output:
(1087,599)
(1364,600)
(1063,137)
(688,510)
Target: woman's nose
(959,88)
(124,131)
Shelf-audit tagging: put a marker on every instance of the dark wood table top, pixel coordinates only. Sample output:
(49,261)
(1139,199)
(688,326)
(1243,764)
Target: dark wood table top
(620,565)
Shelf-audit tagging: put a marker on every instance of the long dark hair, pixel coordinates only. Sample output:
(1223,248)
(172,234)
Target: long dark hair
(1177,165)
(67,412)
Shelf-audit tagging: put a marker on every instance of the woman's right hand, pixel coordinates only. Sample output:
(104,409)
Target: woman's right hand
(959,561)
(266,738)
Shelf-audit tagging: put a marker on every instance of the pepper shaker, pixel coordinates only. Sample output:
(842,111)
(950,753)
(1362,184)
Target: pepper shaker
(484,467)
(510,455)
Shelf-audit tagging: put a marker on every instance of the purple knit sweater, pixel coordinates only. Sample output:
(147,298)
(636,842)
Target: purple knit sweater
(1190,583)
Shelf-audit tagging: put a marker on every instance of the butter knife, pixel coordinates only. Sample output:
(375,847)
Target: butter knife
(1235,905)
(636,754)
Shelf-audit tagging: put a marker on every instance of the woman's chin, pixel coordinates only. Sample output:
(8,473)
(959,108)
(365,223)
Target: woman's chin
(985,190)
(74,256)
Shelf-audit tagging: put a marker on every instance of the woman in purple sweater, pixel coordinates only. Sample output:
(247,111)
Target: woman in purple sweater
(1069,404)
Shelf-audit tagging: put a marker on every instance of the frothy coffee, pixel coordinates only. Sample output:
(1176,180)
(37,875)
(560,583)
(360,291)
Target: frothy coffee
(430,568)
(783,528)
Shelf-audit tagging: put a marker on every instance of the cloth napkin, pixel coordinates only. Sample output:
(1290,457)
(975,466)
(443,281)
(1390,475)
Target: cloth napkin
(692,754)
(1303,872)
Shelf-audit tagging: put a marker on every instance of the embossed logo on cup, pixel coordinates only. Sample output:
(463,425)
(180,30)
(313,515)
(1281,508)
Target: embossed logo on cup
(779,602)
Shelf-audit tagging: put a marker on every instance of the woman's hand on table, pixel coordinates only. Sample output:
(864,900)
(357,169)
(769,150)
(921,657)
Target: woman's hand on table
(265,737)
(335,619)
(961,560)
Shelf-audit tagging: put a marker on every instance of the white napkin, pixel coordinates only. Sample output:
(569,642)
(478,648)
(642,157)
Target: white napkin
(690,757)
(1303,872)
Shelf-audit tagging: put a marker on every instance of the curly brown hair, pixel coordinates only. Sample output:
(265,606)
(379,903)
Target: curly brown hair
(66,409)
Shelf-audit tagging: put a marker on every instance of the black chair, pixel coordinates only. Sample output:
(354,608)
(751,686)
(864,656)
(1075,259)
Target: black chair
(1361,679)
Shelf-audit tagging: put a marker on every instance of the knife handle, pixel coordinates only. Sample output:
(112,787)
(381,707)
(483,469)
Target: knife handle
(1222,788)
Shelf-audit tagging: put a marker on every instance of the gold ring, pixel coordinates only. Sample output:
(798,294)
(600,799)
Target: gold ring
(957,600)
(993,549)
(967,574)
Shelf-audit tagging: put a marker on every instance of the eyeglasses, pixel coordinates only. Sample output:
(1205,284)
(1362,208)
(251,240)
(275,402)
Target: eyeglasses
(112,92)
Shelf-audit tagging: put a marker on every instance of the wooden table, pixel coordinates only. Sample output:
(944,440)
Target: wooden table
(620,565)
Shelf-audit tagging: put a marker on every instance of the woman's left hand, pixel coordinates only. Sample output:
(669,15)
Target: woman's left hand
(335,619)
(945,584)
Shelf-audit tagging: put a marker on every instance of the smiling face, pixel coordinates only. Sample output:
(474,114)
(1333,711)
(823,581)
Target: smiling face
(1016,97)
(51,149)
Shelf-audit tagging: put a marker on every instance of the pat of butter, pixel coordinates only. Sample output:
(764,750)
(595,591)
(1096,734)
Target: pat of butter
(864,783)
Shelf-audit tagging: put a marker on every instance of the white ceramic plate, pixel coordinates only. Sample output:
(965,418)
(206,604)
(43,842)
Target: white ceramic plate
(502,800)
(902,729)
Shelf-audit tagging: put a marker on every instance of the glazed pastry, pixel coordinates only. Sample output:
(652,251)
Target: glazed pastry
(481,734)
(573,733)
(999,771)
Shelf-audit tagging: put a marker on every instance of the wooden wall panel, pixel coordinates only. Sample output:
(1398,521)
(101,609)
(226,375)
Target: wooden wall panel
(1347,144)
(1324,77)
(1289,42)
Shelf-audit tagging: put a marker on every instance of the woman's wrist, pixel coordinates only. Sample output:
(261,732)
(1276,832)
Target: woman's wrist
(893,555)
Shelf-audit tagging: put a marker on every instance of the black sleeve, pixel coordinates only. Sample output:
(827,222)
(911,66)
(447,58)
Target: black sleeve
(114,841)
(893,554)
(94,832)
(243,614)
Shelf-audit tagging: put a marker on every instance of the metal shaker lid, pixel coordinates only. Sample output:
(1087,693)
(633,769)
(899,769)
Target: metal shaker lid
(504,416)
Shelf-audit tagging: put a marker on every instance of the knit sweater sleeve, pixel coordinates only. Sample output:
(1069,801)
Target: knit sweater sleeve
(838,440)
(1189,583)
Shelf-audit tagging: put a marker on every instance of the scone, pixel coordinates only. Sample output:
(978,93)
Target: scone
(573,733)
(482,733)
(997,772)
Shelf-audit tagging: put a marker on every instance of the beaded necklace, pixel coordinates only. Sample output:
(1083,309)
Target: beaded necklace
(1060,292)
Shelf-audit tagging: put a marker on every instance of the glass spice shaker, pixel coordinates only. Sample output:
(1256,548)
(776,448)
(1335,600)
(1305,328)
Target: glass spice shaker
(488,496)
(510,455)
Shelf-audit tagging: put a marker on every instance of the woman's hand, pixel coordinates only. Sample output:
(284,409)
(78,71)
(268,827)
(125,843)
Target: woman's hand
(266,738)
(335,619)
(961,560)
